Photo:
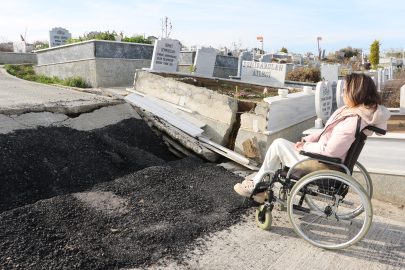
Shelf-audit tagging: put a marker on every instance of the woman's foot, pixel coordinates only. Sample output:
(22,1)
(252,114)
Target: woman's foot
(248,182)
(245,189)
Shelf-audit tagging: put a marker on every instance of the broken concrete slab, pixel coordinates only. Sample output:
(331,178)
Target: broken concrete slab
(169,107)
(292,133)
(86,121)
(19,96)
(251,149)
(202,100)
(186,140)
(172,118)
(216,131)
(257,119)
(101,117)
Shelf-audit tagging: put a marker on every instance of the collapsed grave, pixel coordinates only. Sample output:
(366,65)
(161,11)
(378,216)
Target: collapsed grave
(230,122)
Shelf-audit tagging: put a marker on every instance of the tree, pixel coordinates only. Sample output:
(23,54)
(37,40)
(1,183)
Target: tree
(284,50)
(375,53)
(349,51)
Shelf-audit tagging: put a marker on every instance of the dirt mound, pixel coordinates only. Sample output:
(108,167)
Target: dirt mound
(118,217)
(43,163)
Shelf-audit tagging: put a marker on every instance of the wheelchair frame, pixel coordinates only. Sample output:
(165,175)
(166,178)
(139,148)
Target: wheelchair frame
(329,213)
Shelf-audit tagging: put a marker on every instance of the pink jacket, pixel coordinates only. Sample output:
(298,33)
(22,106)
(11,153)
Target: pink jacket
(338,136)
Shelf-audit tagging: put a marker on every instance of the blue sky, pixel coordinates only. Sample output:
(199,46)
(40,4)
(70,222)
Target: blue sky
(292,24)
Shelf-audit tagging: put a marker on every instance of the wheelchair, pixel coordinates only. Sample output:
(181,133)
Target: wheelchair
(329,208)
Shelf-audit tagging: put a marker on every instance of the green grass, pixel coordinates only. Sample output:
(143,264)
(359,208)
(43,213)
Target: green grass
(26,72)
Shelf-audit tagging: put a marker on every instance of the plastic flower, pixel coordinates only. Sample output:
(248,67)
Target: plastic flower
(264,91)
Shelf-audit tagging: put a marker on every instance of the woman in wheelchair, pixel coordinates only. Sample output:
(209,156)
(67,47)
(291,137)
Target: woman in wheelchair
(326,205)
(361,99)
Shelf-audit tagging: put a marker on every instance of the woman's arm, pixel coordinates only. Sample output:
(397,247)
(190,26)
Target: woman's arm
(341,138)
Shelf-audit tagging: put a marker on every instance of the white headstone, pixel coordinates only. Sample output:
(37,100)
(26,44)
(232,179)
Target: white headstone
(244,56)
(339,92)
(58,36)
(20,47)
(205,61)
(165,55)
(323,102)
(384,76)
(263,73)
(330,72)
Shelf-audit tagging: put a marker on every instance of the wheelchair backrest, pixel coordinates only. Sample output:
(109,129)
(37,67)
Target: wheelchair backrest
(358,144)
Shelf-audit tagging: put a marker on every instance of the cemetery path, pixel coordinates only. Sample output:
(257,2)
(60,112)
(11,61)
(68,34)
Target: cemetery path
(246,246)
(18,96)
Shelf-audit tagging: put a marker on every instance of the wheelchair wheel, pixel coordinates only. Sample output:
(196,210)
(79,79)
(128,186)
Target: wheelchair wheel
(351,212)
(363,178)
(283,196)
(334,197)
(263,217)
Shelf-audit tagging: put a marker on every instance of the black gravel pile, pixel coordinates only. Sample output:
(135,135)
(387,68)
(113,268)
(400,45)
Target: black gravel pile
(43,163)
(136,206)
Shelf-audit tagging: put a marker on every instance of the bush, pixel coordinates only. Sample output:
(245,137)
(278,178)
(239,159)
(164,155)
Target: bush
(312,75)
(138,39)
(106,35)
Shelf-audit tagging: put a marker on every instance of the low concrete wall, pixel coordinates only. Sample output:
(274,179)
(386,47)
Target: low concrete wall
(17,58)
(95,49)
(96,72)
(387,187)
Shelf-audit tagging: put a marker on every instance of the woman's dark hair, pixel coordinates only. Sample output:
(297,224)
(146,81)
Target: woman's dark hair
(360,89)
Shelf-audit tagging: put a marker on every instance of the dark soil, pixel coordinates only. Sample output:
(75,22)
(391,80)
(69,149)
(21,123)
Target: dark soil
(105,199)
(227,86)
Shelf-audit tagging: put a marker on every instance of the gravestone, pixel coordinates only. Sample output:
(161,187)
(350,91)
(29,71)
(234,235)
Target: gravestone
(402,100)
(345,69)
(329,72)
(58,36)
(323,103)
(244,56)
(205,62)
(323,54)
(263,73)
(339,92)
(20,47)
(265,58)
(165,55)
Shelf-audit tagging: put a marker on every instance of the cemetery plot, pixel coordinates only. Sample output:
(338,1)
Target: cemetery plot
(396,124)
(248,91)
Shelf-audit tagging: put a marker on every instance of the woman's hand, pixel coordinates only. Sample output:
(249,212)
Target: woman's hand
(298,146)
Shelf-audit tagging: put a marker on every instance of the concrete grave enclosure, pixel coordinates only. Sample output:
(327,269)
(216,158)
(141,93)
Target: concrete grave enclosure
(100,63)
(17,58)
(229,121)
(103,63)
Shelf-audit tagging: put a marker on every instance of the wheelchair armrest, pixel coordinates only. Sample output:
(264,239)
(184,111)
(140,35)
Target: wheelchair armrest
(321,157)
